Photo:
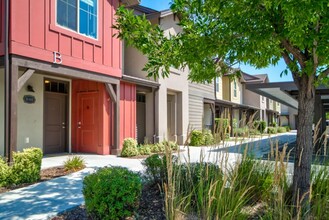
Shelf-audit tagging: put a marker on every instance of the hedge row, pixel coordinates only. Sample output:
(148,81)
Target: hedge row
(131,148)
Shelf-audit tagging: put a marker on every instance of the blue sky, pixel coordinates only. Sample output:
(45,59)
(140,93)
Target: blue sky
(272,71)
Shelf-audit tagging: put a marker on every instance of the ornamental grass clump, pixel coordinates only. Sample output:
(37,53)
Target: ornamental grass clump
(112,193)
(74,163)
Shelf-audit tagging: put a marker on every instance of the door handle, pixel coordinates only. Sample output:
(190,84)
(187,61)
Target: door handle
(79,124)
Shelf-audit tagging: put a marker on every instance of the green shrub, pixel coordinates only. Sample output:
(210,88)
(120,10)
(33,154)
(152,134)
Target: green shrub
(207,137)
(156,169)
(129,148)
(27,165)
(287,128)
(144,149)
(112,193)
(197,138)
(74,163)
(281,130)
(158,148)
(272,130)
(4,173)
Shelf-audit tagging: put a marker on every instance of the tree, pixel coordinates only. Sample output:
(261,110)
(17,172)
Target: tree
(219,33)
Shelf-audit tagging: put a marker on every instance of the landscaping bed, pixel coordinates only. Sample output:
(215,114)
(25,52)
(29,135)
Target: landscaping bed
(45,174)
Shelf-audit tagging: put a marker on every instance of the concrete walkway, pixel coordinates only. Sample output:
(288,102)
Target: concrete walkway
(46,199)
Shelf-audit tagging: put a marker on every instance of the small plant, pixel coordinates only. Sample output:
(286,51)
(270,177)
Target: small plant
(281,130)
(197,138)
(129,148)
(74,163)
(112,193)
(272,130)
(4,173)
(158,148)
(26,167)
(207,137)
(287,128)
(144,149)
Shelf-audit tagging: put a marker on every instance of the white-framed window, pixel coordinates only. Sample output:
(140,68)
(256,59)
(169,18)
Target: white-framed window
(235,89)
(78,15)
(263,99)
(217,84)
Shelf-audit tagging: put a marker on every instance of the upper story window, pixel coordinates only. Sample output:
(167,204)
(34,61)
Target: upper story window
(235,89)
(217,84)
(78,15)
(263,99)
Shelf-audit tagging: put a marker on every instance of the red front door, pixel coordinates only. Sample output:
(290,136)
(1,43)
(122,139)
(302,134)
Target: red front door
(87,128)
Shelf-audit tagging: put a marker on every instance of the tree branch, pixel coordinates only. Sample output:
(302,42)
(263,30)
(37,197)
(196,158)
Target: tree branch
(295,52)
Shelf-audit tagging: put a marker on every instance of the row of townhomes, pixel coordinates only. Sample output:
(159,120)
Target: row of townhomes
(68,85)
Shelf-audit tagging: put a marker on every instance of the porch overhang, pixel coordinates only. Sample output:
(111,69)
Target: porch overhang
(280,92)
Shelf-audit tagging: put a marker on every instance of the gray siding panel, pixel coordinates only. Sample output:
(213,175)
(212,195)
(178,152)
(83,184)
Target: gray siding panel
(195,112)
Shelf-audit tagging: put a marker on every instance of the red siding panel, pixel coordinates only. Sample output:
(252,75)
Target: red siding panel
(65,44)
(20,21)
(34,25)
(127,111)
(88,51)
(77,48)
(37,24)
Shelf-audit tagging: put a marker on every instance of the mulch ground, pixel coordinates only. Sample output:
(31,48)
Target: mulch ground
(46,174)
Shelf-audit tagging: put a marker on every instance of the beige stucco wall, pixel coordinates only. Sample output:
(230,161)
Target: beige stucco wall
(251,98)
(238,97)
(226,88)
(30,116)
(2,113)
(134,62)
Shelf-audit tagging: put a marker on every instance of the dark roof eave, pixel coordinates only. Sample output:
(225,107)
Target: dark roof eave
(140,81)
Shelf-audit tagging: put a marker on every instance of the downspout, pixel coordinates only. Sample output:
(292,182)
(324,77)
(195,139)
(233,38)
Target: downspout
(7,84)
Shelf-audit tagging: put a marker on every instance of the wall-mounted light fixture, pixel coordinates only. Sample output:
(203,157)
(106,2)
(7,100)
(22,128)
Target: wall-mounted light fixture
(29,88)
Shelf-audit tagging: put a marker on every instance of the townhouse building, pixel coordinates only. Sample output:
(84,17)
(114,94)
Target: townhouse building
(162,103)
(61,71)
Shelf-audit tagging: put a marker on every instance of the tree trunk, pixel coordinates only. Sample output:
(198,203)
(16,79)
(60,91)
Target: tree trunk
(303,157)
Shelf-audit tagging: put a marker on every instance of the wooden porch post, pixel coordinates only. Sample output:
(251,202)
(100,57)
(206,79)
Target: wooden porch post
(11,81)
